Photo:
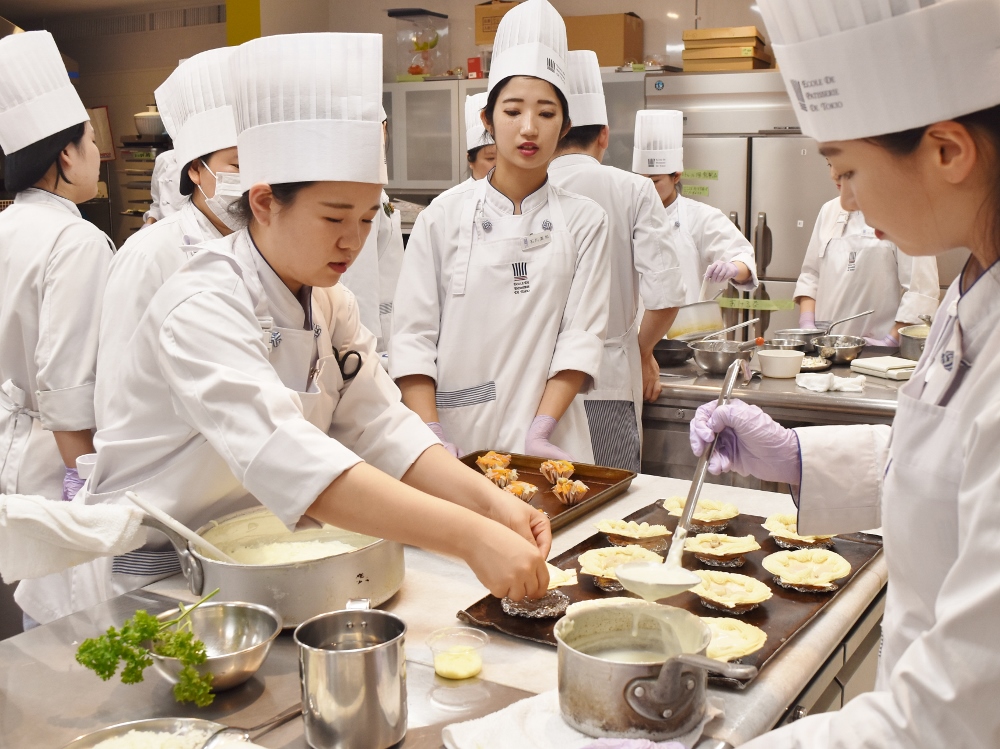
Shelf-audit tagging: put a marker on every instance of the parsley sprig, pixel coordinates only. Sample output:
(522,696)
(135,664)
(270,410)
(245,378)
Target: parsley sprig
(129,646)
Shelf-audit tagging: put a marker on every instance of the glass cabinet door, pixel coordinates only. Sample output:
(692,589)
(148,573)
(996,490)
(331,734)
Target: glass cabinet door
(424,134)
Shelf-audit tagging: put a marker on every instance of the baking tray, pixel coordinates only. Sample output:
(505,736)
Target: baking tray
(781,617)
(605,484)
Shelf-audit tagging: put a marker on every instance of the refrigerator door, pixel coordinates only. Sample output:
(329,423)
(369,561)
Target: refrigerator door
(624,94)
(789,183)
(715,172)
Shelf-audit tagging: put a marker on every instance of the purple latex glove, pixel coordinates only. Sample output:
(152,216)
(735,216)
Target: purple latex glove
(887,340)
(721,270)
(72,483)
(807,320)
(536,441)
(439,433)
(633,744)
(749,442)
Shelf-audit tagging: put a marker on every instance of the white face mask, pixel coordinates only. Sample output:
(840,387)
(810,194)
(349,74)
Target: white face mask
(227,192)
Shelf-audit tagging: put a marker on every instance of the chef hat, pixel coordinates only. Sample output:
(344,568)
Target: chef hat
(475,131)
(36,97)
(530,40)
(195,103)
(586,91)
(308,108)
(871,67)
(659,142)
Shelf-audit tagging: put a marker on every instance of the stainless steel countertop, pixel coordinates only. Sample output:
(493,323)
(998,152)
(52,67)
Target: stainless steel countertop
(687,386)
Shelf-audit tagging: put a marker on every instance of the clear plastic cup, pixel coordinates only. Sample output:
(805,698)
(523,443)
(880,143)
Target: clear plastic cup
(458,651)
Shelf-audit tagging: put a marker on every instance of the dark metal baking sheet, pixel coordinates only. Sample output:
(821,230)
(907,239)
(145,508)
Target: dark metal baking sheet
(605,484)
(781,617)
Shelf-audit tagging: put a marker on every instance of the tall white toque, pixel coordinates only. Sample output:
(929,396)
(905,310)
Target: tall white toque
(530,40)
(36,97)
(308,108)
(475,131)
(586,91)
(871,67)
(659,142)
(196,105)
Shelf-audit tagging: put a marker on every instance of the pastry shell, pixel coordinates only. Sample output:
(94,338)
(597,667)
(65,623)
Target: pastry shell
(729,591)
(807,570)
(570,492)
(553,604)
(556,469)
(492,460)
(710,516)
(784,531)
(719,550)
(501,476)
(626,532)
(559,578)
(522,490)
(732,639)
(601,563)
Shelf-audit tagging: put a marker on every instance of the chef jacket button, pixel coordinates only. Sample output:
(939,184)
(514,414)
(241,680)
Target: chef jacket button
(677,224)
(317,330)
(547,225)
(275,339)
(487,226)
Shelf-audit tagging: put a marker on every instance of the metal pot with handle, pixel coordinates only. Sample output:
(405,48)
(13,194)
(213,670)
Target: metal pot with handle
(633,669)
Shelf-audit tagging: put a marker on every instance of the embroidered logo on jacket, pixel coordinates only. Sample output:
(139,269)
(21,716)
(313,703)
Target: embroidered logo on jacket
(852,260)
(521,285)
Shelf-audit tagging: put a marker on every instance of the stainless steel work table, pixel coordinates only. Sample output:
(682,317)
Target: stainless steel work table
(46,699)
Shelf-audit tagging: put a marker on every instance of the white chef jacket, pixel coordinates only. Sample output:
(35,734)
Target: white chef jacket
(848,270)
(53,267)
(935,491)
(373,275)
(138,270)
(701,234)
(497,351)
(642,265)
(165,187)
(203,423)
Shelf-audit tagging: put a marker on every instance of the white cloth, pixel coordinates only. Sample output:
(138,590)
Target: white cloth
(309,108)
(939,674)
(165,187)
(196,105)
(138,270)
(658,146)
(644,269)
(530,40)
(859,69)
(848,270)
(491,305)
(823,382)
(700,235)
(537,723)
(39,536)
(37,98)
(373,275)
(586,89)
(475,131)
(53,267)
(208,419)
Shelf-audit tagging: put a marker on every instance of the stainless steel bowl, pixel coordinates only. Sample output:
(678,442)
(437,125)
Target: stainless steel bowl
(671,353)
(784,344)
(237,638)
(175,726)
(840,349)
(716,356)
(805,335)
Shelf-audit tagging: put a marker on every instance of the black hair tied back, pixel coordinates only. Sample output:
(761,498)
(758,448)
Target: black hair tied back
(24,167)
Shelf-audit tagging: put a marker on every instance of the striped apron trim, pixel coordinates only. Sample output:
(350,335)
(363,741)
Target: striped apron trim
(146,563)
(613,433)
(468,397)
(385,308)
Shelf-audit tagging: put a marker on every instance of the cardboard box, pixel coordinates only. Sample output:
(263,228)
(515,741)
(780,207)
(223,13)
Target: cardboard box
(488,17)
(728,64)
(730,53)
(725,36)
(615,37)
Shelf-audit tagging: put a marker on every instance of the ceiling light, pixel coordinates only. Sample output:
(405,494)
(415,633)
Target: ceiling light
(673,16)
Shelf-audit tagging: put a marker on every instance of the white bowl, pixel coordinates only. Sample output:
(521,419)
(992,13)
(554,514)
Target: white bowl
(784,364)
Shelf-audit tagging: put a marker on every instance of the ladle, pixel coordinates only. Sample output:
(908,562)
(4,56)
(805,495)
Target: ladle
(847,319)
(180,528)
(654,581)
(726,330)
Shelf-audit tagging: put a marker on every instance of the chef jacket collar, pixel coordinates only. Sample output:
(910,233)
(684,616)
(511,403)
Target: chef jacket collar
(504,205)
(289,310)
(978,311)
(37,195)
(573,159)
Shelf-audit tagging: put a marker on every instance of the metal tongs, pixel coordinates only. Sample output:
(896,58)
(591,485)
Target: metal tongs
(726,330)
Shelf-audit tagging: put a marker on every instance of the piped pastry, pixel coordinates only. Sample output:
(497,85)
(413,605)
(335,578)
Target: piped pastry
(492,460)
(710,516)
(807,570)
(732,639)
(570,492)
(729,591)
(522,490)
(625,532)
(784,531)
(601,563)
(719,550)
(501,476)
(556,469)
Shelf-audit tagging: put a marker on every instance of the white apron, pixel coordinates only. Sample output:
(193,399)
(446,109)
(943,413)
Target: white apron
(29,457)
(305,362)
(614,406)
(483,402)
